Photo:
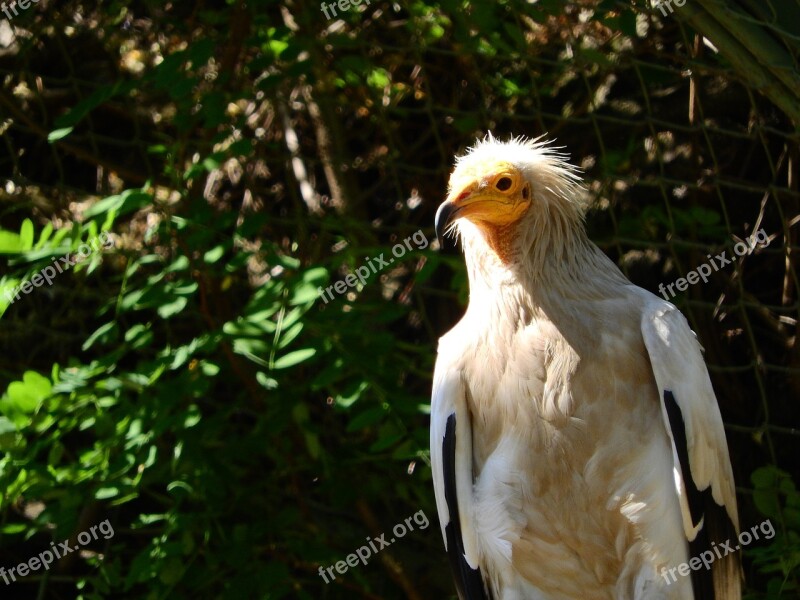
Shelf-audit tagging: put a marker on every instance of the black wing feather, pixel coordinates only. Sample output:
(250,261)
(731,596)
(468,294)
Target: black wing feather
(469,581)
(717,524)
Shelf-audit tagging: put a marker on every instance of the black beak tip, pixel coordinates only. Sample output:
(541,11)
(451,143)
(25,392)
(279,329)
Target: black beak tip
(444,216)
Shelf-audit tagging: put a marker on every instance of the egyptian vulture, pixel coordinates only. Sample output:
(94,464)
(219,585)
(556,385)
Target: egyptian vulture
(577,447)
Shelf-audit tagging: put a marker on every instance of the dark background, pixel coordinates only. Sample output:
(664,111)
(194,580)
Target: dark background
(189,385)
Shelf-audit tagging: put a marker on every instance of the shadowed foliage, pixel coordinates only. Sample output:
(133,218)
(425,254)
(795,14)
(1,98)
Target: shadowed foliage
(187,383)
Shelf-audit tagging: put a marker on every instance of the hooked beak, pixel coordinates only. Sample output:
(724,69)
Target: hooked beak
(444,216)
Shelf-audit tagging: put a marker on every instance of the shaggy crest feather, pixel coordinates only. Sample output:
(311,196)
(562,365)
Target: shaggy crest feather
(550,238)
(535,157)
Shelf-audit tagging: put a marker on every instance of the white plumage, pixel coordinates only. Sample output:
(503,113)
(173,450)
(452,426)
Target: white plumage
(564,403)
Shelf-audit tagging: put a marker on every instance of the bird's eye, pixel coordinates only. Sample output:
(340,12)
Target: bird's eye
(503,183)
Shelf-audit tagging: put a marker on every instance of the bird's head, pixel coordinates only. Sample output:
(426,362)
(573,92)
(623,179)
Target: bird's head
(510,196)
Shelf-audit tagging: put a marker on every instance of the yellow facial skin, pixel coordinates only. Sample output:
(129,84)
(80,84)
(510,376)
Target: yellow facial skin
(499,202)
(494,199)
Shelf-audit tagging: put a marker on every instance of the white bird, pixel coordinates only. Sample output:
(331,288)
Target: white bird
(576,444)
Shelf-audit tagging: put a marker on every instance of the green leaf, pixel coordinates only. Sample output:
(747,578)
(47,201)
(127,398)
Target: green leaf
(265,381)
(14,528)
(210,369)
(139,336)
(106,333)
(165,311)
(6,426)
(58,134)
(26,235)
(379,78)
(172,571)
(347,398)
(767,482)
(764,477)
(126,202)
(105,493)
(181,263)
(214,254)
(8,434)
(47,231)
(369,417)
(385,442)
(26,395)
(294,358)
(10,242)
(290,334)
(308,289)
(312,444)
(277,47)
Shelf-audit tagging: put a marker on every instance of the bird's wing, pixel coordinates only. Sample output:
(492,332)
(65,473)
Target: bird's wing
(702,468)
(451,462)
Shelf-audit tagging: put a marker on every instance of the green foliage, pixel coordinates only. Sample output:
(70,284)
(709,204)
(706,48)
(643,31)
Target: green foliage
(172,402)
(777,498)
(188,383)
